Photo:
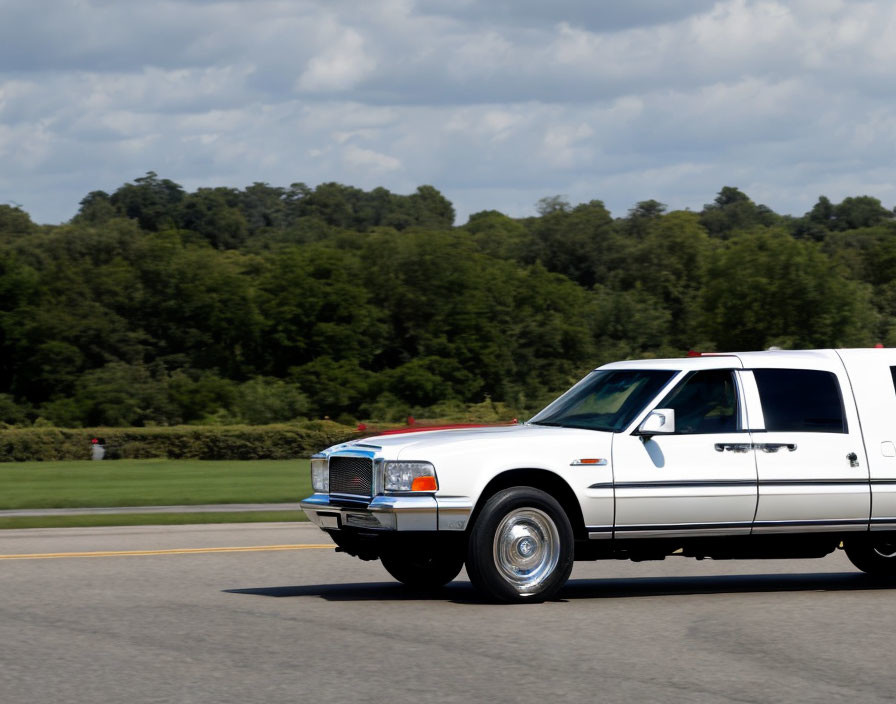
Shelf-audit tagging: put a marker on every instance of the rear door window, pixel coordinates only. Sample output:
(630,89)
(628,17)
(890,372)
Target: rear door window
(800,400)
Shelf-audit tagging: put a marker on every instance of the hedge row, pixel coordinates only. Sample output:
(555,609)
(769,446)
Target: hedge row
(238,442)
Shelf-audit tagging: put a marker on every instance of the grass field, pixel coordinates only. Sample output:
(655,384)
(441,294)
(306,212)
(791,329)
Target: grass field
(150,483)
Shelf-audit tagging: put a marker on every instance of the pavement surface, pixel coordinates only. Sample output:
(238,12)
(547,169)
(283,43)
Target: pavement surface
(266,613)
(193,508)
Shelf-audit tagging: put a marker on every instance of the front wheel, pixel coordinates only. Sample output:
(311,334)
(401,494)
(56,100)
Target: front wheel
(874,553)
(521,546)
(422,568)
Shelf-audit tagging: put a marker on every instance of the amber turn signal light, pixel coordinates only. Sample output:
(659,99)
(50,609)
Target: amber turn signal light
(424,484)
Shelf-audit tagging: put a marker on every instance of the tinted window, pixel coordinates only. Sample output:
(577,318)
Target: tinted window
(705,402)
(800,400)
(605,400)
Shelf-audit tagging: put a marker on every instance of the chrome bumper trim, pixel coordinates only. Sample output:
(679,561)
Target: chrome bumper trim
(391,513)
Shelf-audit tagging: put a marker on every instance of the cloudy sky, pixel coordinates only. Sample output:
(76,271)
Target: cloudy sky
(496,103)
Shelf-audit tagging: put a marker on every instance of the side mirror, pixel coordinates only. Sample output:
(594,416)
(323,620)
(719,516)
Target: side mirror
(660,421)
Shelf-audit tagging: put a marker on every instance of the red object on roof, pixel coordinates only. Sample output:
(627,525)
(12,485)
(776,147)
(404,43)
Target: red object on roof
(693,353)
(453,426)
(879,346)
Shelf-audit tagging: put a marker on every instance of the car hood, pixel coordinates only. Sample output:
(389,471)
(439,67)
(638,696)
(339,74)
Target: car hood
(422,445)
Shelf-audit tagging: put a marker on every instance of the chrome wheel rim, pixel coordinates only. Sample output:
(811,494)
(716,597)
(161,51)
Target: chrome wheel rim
(526,549)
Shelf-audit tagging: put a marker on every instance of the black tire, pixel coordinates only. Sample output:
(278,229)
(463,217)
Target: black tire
(423,568)
(874,553)
(521,546)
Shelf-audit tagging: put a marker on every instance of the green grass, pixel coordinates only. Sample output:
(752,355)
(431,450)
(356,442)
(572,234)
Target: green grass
(149,519)
(150,483)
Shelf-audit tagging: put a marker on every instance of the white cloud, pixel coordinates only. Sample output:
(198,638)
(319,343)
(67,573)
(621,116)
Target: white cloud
(340,66)
(564,146)
(357,157)
(495,102)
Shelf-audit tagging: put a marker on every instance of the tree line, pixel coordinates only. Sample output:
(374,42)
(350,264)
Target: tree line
(157,306)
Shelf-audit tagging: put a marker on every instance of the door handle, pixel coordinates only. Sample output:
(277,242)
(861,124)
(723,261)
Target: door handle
(775,446)
(853,459)
(746,446)
(733,447)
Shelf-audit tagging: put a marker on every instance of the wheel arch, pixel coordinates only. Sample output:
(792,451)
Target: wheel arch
(542,479)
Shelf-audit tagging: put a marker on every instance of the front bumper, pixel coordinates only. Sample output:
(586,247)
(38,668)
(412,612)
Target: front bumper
(391,513)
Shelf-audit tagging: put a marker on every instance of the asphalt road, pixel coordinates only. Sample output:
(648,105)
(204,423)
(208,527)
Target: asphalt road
(308,625)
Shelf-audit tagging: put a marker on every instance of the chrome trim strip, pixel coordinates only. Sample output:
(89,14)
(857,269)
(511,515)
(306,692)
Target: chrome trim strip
(815,522)
(817,482)
(676,527)
(821,527)
(599,532)
(423,512)
(669,530)
(401,513)
(814,526)
(686,484)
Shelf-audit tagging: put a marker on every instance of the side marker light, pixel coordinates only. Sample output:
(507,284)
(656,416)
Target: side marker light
(424,484)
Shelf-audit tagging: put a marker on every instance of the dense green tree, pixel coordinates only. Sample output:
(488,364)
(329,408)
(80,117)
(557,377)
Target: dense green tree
(197,306)
(264,400)
(96,208)
(766,288)
(670,264)
(575,242)
(431,209)
(862,211)
(550,205)
(12,413)
(500,236)
(150,200)
(214,213)
(14,221)
(642,215)
(158,306)
(264,207)
(733,210)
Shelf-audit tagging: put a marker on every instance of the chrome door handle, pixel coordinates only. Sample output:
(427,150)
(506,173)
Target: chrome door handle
(733,447)
(746,446)
(775,446)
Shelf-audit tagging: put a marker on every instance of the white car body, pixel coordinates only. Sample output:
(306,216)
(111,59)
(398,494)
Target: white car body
(625,488)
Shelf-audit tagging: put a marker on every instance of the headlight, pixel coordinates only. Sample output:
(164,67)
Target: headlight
(409,476)
(320,475)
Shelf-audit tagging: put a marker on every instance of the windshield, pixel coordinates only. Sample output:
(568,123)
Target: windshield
(605,400)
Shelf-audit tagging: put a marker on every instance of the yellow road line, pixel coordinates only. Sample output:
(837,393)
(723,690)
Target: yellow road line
(174,551)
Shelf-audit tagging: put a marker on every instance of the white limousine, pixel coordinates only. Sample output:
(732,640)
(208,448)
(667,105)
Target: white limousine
(778,454)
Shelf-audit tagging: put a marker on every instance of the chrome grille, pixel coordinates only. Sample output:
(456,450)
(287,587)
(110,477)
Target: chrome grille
(351,476)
